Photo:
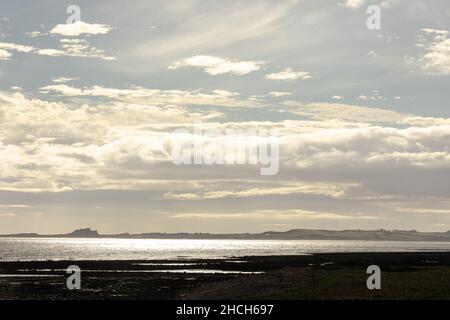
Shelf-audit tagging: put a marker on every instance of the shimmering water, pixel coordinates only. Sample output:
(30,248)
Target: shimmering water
(27,249)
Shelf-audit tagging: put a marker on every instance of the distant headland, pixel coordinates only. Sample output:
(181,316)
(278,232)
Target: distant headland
(296,234)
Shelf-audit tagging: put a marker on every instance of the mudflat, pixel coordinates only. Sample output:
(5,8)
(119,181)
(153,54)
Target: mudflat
(406,275)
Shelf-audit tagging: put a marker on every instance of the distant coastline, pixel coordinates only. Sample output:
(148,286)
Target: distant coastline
(296,234)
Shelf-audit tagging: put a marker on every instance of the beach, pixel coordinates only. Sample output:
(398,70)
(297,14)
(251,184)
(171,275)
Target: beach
(404,275)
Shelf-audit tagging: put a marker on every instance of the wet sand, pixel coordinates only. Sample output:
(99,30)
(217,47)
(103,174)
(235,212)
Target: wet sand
(319,276)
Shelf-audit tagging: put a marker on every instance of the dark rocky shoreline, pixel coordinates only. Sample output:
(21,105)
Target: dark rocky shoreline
(408,275)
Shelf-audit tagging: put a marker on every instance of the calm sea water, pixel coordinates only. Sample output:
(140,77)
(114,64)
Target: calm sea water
(24,249)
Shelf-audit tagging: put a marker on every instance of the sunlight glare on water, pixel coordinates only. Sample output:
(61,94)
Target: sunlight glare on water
(15,249)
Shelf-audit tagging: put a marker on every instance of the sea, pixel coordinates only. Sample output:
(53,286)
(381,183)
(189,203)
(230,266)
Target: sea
(40,249)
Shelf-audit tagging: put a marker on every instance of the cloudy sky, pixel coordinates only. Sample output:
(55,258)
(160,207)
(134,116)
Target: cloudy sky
(88,110)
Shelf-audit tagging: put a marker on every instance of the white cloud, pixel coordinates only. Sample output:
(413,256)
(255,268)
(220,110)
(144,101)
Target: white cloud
(35,34)
(15,47)
(4,55)
(215,65)
(278,94)
(63,79)
(387,4)
(371,147)
(443,33)
(436,44)
(78,28)
(372,54)
(424,210)
(288,74)
(47,146)
(374,95)
(331,190)
(154,96)
(293,214)
(425,121)
(6,47)
(20,206)
(51,52)
(69,47)
(354,4)
(76,48)
(7,215)
(369,97)
(345,112)
(43,143)
(234,23)
(337,97)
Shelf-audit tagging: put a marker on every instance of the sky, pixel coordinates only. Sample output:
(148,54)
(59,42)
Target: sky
(90,103)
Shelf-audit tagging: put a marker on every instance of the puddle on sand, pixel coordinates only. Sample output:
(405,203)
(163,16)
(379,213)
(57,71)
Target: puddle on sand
(206,271)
